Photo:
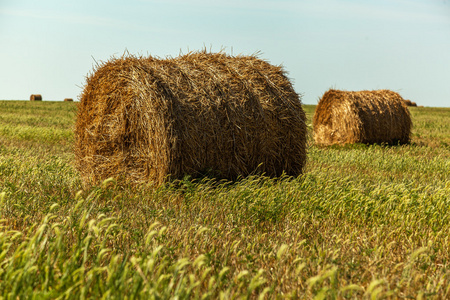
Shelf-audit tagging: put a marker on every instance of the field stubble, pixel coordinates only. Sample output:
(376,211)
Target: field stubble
(362,222)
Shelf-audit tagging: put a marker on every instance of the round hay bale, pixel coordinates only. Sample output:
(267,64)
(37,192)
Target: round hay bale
(150,119)
(343,117)
(68,100)
(407,102)
(36,97)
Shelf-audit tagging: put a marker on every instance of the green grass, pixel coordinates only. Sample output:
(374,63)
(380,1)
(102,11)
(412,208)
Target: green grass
(362,222)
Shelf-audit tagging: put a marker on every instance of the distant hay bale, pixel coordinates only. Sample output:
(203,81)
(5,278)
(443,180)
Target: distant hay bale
(68,100)
(36,97)
(343,117)
(409,103)
(149,119)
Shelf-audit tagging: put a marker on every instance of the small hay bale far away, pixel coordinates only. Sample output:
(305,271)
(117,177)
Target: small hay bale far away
(36,97)
(410,103)
(343,117)
(150,119)
(407,102)
(68,100)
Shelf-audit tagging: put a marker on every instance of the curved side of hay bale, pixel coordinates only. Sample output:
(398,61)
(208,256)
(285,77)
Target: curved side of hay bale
(343,117)
(36,97)
(68,100)
(147,119)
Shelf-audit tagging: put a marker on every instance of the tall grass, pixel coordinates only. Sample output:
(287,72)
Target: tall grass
(362,222)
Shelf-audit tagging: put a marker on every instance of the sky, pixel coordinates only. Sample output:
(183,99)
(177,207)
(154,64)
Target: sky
(48,47)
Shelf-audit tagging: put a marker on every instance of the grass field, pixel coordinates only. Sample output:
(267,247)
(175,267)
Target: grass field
(362,222)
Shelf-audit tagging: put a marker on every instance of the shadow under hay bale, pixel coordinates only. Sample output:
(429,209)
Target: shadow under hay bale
(343,117)
(148,119)
(36,97)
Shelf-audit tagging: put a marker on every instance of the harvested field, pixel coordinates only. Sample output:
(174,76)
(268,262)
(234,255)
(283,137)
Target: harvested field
(361,222)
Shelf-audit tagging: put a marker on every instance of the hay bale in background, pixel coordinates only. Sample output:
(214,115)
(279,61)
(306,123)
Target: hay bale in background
(343,117)
(36,97)
(409,103)
(68,100)
(147,118)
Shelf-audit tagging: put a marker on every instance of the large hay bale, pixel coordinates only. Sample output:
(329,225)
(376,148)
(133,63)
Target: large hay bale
(36,97)
(149,119)
(68,100)
(343,117)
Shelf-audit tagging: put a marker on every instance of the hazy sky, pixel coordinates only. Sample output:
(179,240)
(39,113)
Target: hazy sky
(49,46)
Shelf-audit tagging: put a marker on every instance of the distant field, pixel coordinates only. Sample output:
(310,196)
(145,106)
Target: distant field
(362,222)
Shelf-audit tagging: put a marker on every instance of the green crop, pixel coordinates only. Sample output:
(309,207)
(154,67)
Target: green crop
(362,222)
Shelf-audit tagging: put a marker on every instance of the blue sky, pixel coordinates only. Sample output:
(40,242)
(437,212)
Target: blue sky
(49,46)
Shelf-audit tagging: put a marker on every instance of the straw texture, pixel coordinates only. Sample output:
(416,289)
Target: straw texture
(379,116)
(36,97)
(149,119)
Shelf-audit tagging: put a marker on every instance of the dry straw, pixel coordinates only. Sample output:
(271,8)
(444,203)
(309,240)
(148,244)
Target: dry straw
(343,117)
(150,119)
(35,97)
(68,99)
